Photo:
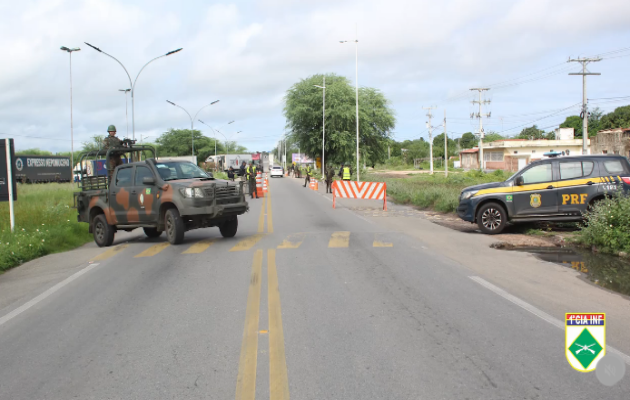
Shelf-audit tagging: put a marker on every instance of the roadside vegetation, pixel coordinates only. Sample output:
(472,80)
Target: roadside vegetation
(607,225)
(434,191)
(45,223)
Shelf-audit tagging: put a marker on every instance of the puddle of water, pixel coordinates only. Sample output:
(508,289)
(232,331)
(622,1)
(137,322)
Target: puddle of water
(604,270)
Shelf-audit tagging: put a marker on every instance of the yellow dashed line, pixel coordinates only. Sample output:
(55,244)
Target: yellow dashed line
(292,241)
(153,250)
(248,242)
(339,239)
(200,246)
(110,252)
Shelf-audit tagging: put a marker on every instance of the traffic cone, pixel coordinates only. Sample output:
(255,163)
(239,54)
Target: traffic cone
(264,187)
(259,189)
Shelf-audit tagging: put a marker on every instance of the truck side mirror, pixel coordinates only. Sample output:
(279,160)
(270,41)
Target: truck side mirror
(519,181)
(148,180)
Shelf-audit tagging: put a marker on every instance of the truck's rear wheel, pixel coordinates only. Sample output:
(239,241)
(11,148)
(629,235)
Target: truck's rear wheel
(103,232)
(152,232)
(228,228)
(174,225)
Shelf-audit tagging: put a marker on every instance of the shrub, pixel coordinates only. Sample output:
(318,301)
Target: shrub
(607,225)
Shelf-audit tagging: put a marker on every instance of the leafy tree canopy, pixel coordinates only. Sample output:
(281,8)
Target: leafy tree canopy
(303,111)
(620,118)
(492,137)
(468,141)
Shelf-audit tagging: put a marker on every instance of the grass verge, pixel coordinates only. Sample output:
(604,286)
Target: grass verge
(434,191)
(45,223)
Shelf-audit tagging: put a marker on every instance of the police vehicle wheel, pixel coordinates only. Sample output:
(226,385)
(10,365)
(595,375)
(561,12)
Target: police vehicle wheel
(152,232)
(228,228)
(174,225)
(491,218)
(103,232)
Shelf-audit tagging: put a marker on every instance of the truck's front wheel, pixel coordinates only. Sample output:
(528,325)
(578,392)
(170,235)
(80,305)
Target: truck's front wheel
(103,232)
(174,226)
(228,228)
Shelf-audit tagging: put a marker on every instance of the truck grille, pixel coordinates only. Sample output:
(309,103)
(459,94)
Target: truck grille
(223,192)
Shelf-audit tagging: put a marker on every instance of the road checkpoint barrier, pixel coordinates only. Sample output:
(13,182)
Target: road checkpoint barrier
(311,184)
(259,189)
(360,190)
(264,186)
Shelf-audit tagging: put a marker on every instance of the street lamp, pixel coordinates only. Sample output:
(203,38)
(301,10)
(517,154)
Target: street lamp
(126,116)
(69,50)
(324,123)
(356,42)
(192,120)
(133,84)
(215,138)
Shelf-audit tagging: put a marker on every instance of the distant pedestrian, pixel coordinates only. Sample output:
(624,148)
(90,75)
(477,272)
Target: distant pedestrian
(345,173)
(307,173)
(251,177)
(231,174)
(330,176)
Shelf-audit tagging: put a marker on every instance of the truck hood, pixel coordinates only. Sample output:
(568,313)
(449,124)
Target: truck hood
(186,183)
(487,186)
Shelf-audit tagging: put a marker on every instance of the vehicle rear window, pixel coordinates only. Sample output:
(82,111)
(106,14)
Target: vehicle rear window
(575,169)
(614,167)
(537,174)
(123,177)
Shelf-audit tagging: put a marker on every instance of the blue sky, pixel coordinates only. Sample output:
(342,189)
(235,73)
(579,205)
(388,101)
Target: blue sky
(247,54)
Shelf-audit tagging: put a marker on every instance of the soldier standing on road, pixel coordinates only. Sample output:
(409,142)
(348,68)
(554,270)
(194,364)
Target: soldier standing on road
(345,172)
(330,176)
(112,141)
(251,177)
(307,172)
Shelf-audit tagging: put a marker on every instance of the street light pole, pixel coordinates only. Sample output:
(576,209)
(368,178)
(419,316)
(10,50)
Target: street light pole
(323,122)
(356,41)
(126,115)
(133,84)
(215,138)
(69,50)
(192,120)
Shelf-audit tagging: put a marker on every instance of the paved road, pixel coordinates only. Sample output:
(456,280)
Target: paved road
(306,301)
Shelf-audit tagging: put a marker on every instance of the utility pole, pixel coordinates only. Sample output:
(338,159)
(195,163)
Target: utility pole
(430,127)
(584,113)
(480,116)
(445,148)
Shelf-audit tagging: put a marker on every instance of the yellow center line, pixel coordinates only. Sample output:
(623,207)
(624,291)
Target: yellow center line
(269,220)
(110,252)
(278,377)
(200,246)
(339,239)
(153,250)
(261,218)
(246,380)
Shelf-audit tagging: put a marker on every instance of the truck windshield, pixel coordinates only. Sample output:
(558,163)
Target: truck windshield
(170,171)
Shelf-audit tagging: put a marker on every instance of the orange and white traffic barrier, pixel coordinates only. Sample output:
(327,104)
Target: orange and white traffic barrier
(311,184)
(265,186)
(360,190)
(259,188)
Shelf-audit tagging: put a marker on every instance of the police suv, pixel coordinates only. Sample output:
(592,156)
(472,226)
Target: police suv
(553,189)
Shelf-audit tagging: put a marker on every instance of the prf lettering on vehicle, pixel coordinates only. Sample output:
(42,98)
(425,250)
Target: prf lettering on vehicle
(574,198)
(585,340)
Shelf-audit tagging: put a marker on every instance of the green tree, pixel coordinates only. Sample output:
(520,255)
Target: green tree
(303,111)
(95,143)
(620,118)
(532,133)
(492,137)
(575,122)
(438,146)
(178,142)
(468,141)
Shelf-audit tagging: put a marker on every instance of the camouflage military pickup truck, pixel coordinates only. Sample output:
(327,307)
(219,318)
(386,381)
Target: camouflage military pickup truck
(158,196)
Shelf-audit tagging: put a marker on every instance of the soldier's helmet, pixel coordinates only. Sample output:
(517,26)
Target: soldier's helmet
(111,128)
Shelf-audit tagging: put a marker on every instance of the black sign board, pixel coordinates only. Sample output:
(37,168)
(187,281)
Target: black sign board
(4,178)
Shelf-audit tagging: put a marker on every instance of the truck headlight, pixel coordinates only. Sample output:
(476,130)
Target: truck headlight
(467,195)
(190,193)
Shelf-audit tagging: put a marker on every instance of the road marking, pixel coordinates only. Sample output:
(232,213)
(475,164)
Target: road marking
(46,294)
(110,252)
(269,219)
(153,250)
(200,246)
(537,312)
(292,241)
(339,239)
(246,379)
(261,218)
(248,242)
(278,377)
(379,243)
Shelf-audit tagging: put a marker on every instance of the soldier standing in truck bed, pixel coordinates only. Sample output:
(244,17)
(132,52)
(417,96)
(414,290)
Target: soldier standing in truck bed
(109,142)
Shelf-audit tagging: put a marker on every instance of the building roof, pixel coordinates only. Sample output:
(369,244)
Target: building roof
(511,143)
(473,150)
(614,130)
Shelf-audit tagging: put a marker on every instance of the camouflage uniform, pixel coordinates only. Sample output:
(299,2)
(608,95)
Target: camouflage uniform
(330,173)
(114,160)
(251,177)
